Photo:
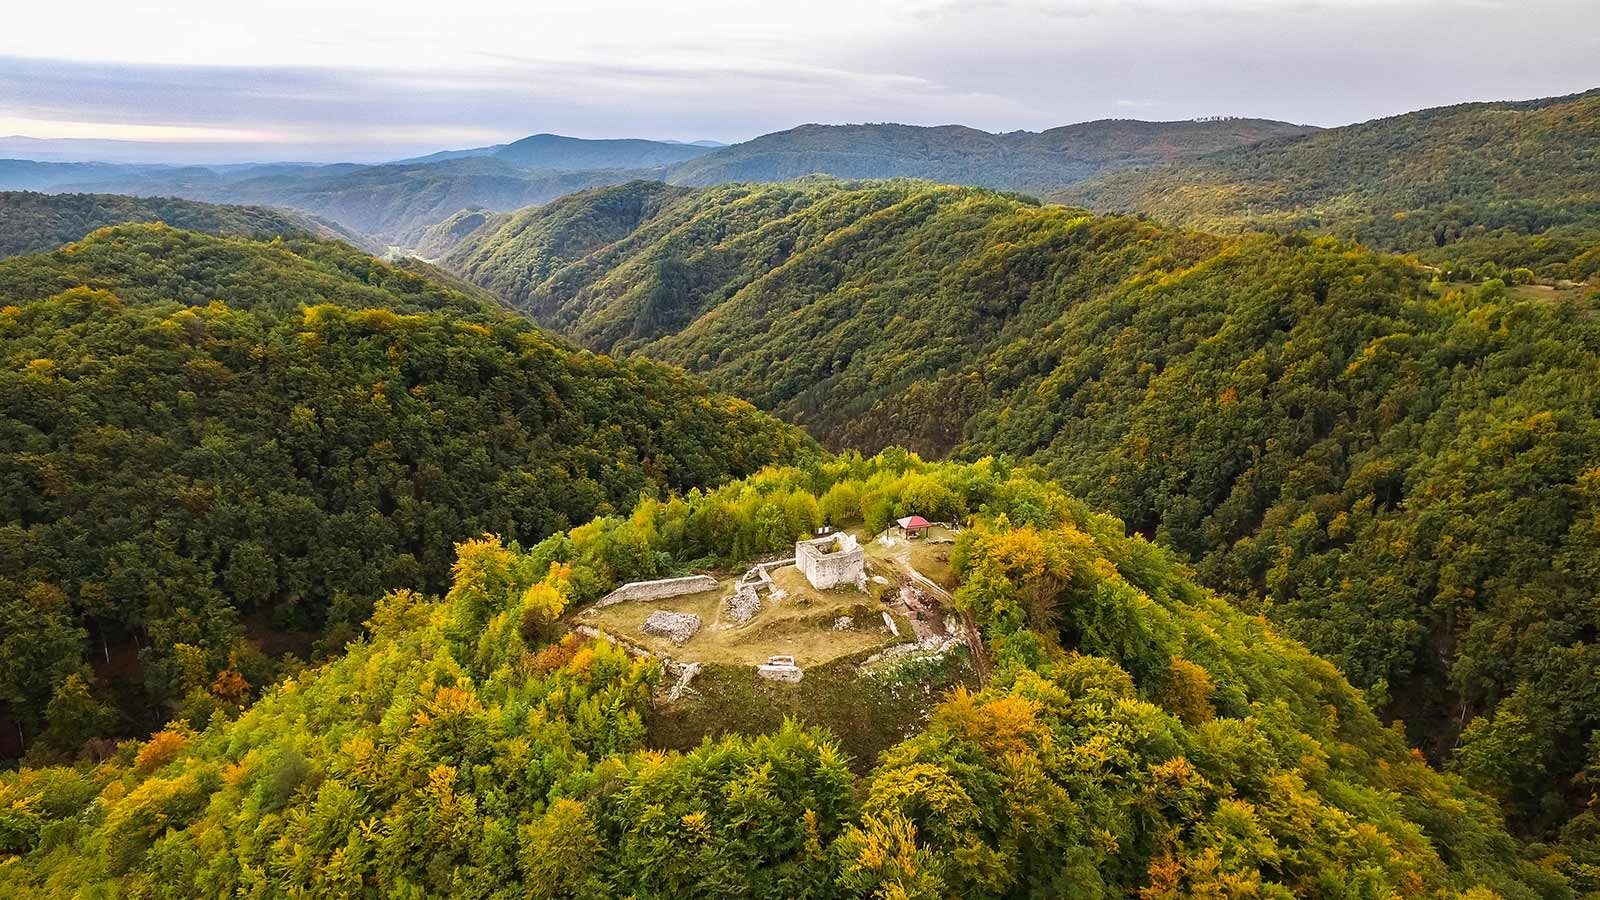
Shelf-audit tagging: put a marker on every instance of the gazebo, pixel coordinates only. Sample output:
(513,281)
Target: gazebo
(913,526)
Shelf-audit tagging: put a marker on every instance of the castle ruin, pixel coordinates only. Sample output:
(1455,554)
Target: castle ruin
(831,560)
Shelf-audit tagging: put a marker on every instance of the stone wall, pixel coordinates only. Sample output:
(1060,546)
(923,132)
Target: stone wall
(659,589)
(830,561)
(780,668)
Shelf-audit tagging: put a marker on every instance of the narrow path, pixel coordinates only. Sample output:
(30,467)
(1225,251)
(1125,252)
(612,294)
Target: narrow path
(899,554)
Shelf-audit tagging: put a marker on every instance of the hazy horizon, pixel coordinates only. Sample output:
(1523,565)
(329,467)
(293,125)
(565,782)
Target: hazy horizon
(327,82)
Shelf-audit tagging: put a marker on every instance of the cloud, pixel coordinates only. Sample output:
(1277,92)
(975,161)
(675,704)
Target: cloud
(731,98)
(329,74)
(121,131)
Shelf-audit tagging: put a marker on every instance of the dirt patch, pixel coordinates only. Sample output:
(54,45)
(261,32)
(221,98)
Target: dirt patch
(928,556)
(795,619)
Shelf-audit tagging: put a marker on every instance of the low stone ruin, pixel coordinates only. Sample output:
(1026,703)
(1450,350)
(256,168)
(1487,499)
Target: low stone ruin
(831,561)
(680,688)
(677,627)
(659,589)
(742,605)
(780,668)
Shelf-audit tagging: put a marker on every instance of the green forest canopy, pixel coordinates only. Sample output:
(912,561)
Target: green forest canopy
(33,223)
(1477,186)
(396,203)
(1399,471)
(208,438)
(387,204)
(1140,735)
(954,154)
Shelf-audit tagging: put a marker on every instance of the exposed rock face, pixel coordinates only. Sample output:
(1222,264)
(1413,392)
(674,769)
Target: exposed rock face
(932,648)
(843,623)
(677,627)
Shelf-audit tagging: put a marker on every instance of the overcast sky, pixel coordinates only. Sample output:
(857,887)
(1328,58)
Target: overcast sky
(332,79)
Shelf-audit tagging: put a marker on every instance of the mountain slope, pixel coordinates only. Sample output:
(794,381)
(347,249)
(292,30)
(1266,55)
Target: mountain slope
(30,222)
(31,175)
(1146,739)
(818,299)
(442,237)
(207,438)
(509,253)
(1390,466)
(953,154)
(553,151)
(396,203)
(1516,182)
(392,203)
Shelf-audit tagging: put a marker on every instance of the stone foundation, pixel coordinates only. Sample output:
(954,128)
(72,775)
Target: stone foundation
(660,589)
(780,668)
(831,561)
(676,627)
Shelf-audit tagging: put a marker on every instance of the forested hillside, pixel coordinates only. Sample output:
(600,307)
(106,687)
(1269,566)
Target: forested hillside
(442,237)
(512,254)
(821,300)
(1018,160)
(398,202)
(1516,184)
(1399,471)
(32,222)
(391,203)
(208,443)
(33,175)
(1139,736)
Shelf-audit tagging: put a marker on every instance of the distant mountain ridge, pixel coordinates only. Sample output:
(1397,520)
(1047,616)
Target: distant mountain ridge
(392,203)
(554,151)
(41,175)
(1517,182)
(397,202)
(955,154)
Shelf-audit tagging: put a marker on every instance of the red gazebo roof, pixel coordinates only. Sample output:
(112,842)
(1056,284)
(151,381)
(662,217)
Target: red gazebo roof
(910,523)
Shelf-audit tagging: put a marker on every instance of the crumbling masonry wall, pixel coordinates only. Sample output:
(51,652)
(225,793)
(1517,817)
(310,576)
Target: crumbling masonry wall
(830,561)
(659,589)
